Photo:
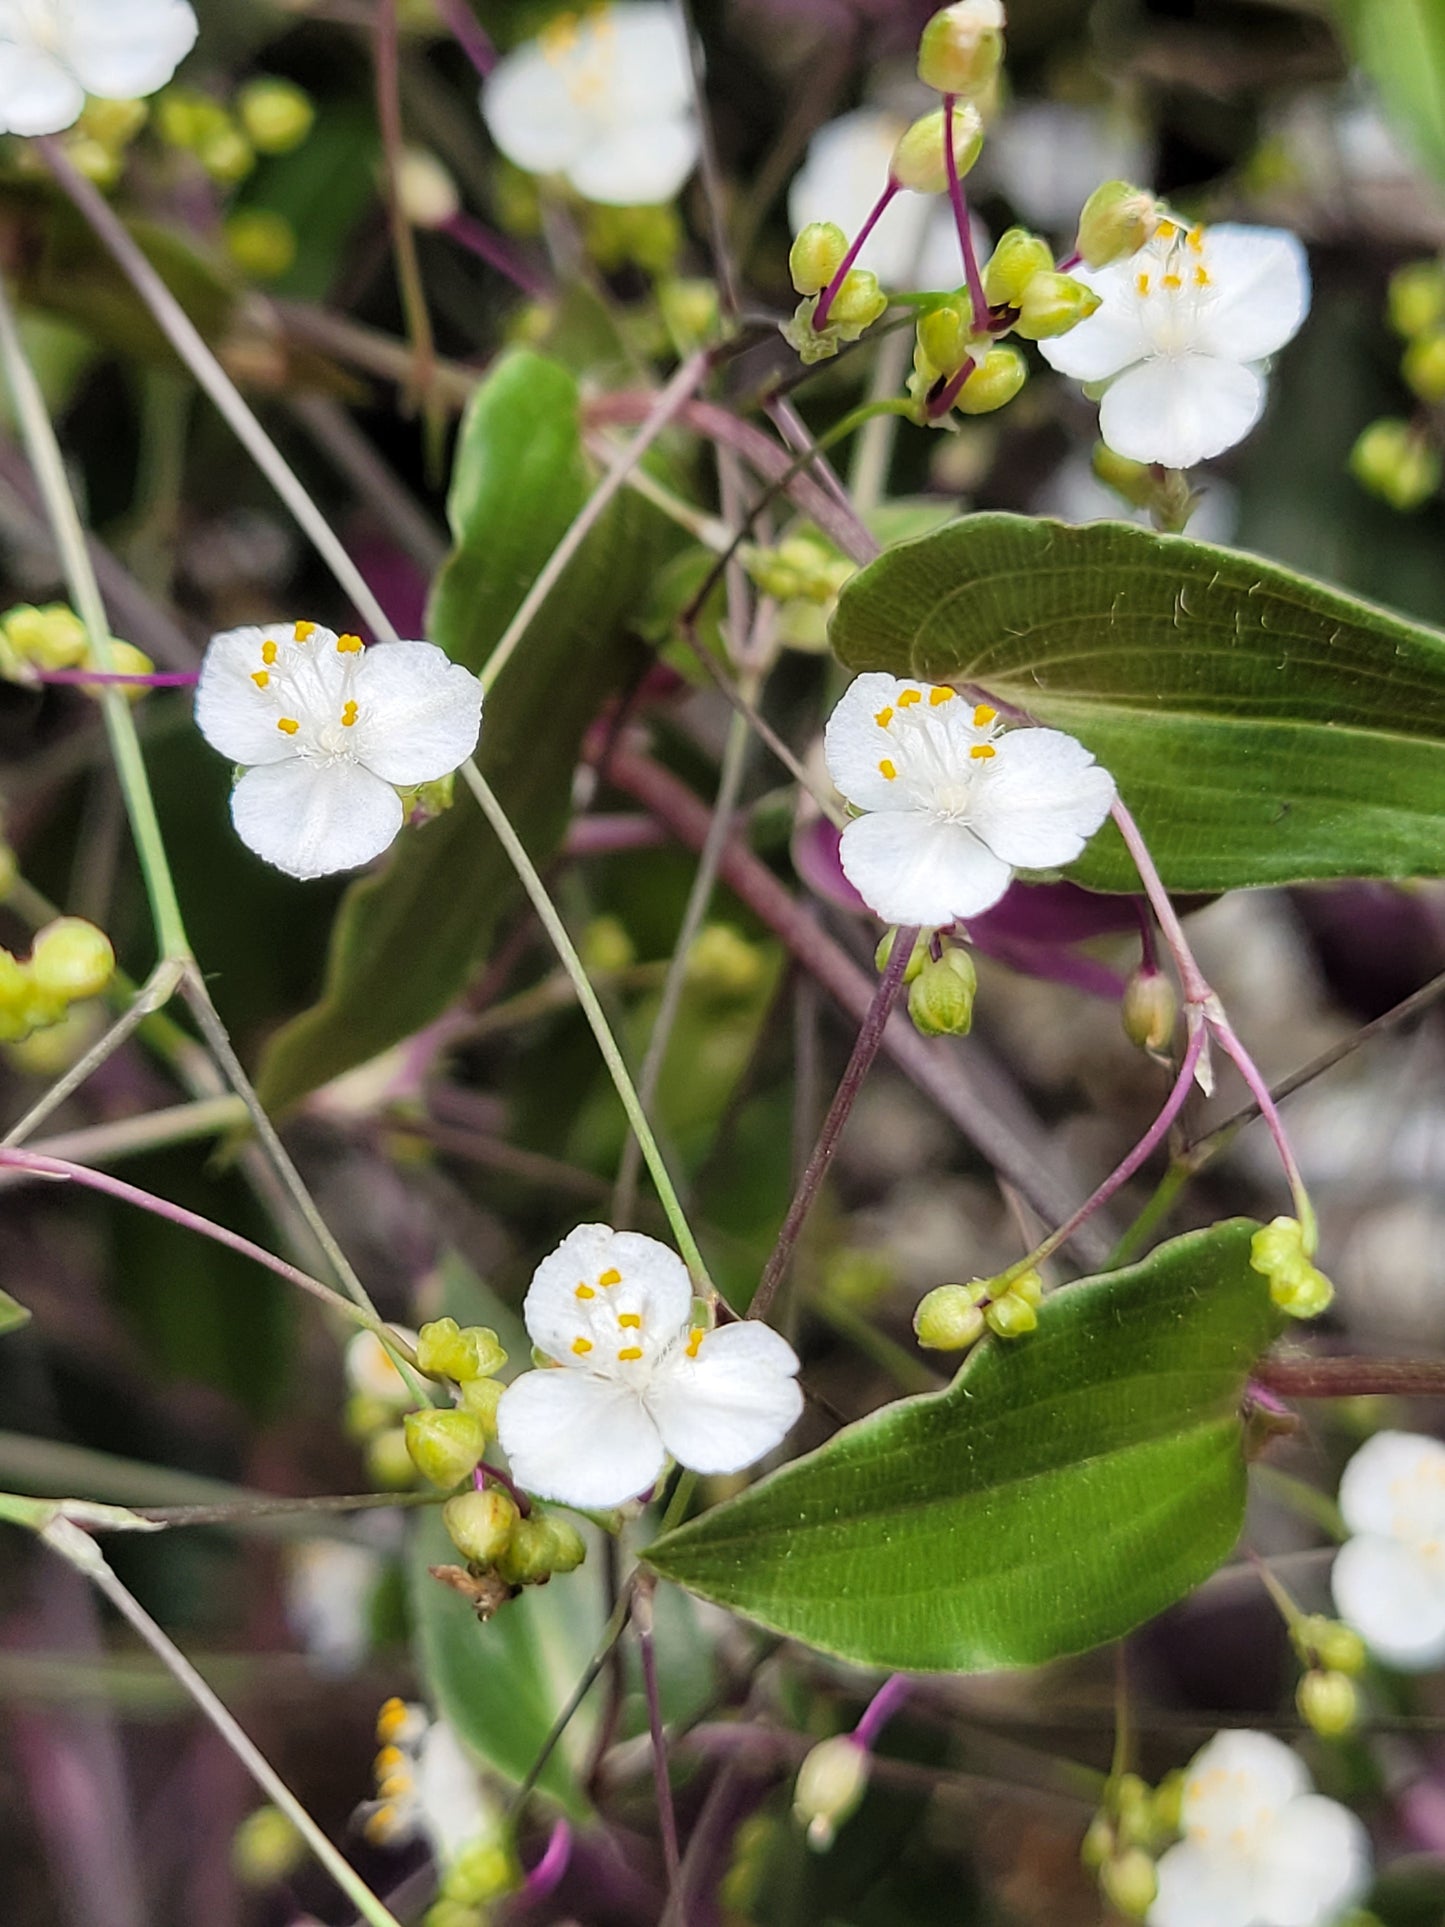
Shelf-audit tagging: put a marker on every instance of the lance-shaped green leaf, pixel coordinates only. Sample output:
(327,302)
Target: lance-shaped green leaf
(12,1314)
(408,939)
(1261,727)
(1066,1486)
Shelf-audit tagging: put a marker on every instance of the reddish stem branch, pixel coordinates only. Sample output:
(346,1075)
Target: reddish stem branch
(1301,1377)
(844,268)
(971,275)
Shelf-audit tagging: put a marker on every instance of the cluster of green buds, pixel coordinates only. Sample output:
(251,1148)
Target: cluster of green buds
(1132,1827)
(803,574)
(951,1318)
(1282,1251)
(942,983)
(480,1876)
(650,238)
(855,303)
(446,1442)
(267,116)
(1333,1656)
(69,961)
(34,641)
(495,1536)
(1397,459)
(99,141)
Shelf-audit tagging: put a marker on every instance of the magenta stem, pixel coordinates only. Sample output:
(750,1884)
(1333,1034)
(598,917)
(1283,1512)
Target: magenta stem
(548,1872)
(949,393)
(642,1619)
(1269,1111)
(880,1709)
(479,240)
(1069,261)
(971,273)
(157,679)
(467,31)
(830,293)
(1196,989)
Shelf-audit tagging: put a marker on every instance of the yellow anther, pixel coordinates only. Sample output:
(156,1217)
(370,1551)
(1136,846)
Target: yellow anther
(909,697)
(612,1276)
(1201,277)
(304,631)
(395,1785)
(1166,230)
(630,1320)
(348,645)
(348,716)
(558,38)
(388,1760)
(379,1825)
(982,751)
(694,1340)
(584,1291)
(983,716)
(581,1346)
(941,695)
(260,677)
(1141,283)
(1172,281)
(629,1354)
(268,651)
(390,1720)
(1195,238)
(288,725)
(883,718)
(888,768)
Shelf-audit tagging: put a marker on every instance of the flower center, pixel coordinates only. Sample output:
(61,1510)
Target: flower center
(939,750)
(1174,288)
(306,683)
(582,47)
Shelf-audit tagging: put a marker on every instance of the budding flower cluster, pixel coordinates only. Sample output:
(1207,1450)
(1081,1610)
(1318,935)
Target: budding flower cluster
(951,1318)
(69,961)
(446,1443)
(1281,1252)
(35,641)
(1334,1656)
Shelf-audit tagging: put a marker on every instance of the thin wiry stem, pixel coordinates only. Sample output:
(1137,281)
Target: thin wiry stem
(661,1773)
(155,992)
(387,55)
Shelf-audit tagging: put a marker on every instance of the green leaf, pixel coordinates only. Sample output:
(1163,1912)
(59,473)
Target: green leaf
(1063,1489)
(408,939)
(502,1684)
(1262,728)
(1401,46)
(12,1314)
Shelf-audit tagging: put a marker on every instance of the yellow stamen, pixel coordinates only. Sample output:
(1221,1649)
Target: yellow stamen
(581,1346)
(1166,230)
(348,645)
(983,716)
(1195,238)
(941,696)
(888,769)
(288,725)
(303,632)
(982,751)
(694,1340)
(390,1720)
(630,1320)
(629,1354)
(379,1825)
(1141,283)
(883,718)
(1172,281)
(585,1291)
(260,677)
(909,697)
(394,1786)
(610,1277)
(268,652)
(1201,277)
(348,716)
(388,1760)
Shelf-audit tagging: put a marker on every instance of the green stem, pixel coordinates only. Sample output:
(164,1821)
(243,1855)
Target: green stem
(46,460)
(1153,1214)
(592,1009)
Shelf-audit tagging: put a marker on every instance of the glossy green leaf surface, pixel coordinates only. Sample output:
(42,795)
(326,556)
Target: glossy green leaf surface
(1062,1490)
(408,938)
(1262,727)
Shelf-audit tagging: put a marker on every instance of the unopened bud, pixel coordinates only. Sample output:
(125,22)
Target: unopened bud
(1052,304)
(445,1350)
(606,946)
(917,959)
(480,1524)
(1396,462)
(949,1319)
(1117,220)
(1149,1009)
(122,659)
(266,1848)
(114,123)
(1423,365)
(1133,481)
(71,959)
(426,194)
(482,1872)
(481,1397)
(566,1548)
(389,1462)
(1015,261)
(940,999)
(816,256)
(1098,1842)
(1328,1702)
(261,242)
(689,307)
(858,303)
(276,114)
(722,963)
(1416,300)
(945,334)
(961,47)
(1337,1647)
(1277,1245)
(1169,1802)
(1302,1292)
(526,1560)
(830,1785)
(1012,1315)
(445,1444)
(993,383)
(226,154)
(920,160)
(1130,1883)
(52,638)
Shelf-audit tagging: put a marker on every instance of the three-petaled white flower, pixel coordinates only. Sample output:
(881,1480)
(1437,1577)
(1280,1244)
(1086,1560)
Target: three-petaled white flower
(954,804)
(1178,334)
(639,1380)
(1389,1577)
(427,1787)
(327,730)
(1260,1847)
(55,52)
(605,99)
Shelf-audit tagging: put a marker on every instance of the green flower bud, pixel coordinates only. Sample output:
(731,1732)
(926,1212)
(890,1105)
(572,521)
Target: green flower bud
(722,964)
(993,383)
(1117,220)
(453,1913)
(52,638)
(1416,300)
(226,155)
(71,958)
(365,1415)
(124,659)
(266,1848)
(945,334)
(1277,1246)
(606,947)
(961,47)
(1098,1843)
(114,123)
(481,1397)
(1012,1315)
(526,1560)
(1337,1647)
(1149,1009)
(920,160)
(425,192)
(940,998)
(480,1524)
(690,311)
(1052,304)
(482,1872)
(445,1350)
(1133,481)
(260,242)
(389,1463)
(1395,462)
(915,962)
(857,304)
(1169,1803)
(1423,365)
(566,1548)
(445,1443)
(1130,1883)
(1028,1285)
(1017,258)
(1329,1703)
(276,114)
(830,1786)
(1302,1292)
(948,1319)
(816,256)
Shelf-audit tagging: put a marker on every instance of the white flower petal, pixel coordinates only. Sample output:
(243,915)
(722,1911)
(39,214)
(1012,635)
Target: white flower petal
(639,166)
(451,1810)
(1202,1889)
(1315,1864)
(371,1369)
(126,52)
(854,743)
(529,113)
(312,818)
(1112,338)
(654,1283)
(1393,1600)
(650,72)
(420,713)
(1040,799)
(37,95)
(579,1439)
(1261,280)
(329,1589)
(1237,1775)
(233,715)
(1395,1479)
(1180,410)
(732,1403)
(911,868)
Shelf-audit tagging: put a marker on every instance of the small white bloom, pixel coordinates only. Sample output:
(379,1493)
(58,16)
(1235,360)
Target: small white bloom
(55,52)
(604,99)
(372,1371)
(1040,150)
(915,244)
(427,1787)
(1260,1847)
(954,804)
(327,731)
(1389,1577)
(330,1587)
(637,1380)
(1180,329)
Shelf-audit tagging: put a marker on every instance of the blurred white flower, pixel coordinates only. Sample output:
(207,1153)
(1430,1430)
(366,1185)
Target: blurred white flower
(1074,493)
(637,1379)
(327,731)
(55,52)
(953,803)
(372,1371)
(603,98)
(1045,154)
(1260,1847)
(330,1585)
(915,244)
(1180,329)
(1389,1576)
(427,1787)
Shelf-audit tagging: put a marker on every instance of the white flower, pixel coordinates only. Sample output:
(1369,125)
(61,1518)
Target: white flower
(1389,1578)
(372,1371)
(1040,150)
(953,804)
(427,1787)
(915,244)
(55,52)
(330,1587)
(604,98)
(328,730)
(638,1380)
(1180,329)
(1260,1847)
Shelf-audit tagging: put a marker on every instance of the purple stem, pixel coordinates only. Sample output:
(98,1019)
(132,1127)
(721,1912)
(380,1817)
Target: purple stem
(605,834)
(949,393)
(477,239)
(880,1709)
(157,679)
(830,293)
(467,31)
(1260,1092)
(1069,261)
(672,1856)
(482,1472)
(1196,989)
(548,1872)
(960,215)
